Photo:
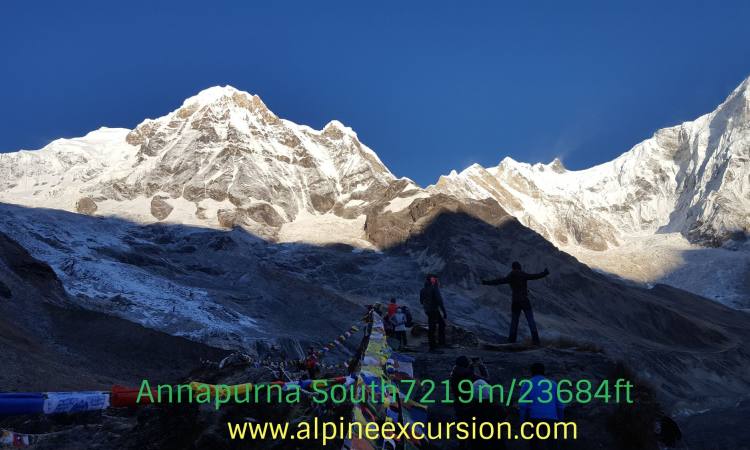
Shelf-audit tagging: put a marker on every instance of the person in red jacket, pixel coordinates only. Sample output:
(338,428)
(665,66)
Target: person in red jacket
(311,363)
(392,308)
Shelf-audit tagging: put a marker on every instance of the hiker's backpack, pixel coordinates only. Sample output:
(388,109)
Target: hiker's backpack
(409,319)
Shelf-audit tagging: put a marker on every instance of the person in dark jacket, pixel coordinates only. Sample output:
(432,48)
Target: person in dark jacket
(432,302)
(478,404)
(517,279)
(461,371)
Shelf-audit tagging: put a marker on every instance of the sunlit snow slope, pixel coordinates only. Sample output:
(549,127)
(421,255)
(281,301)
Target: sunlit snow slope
(658,212)
(222,159)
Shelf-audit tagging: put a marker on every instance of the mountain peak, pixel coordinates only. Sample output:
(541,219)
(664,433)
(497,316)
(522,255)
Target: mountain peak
(744,86)
(508,161)
(336,125)
(223,159)
(557,166)
(214,93)
(744,90)
(474,168)
(738,102)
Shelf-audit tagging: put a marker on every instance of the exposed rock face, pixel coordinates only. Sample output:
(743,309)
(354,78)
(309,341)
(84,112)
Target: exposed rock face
(226,145)
(17,260)
(265,214)
(222,149)
(262,220)
(160,208)
(224,160)
(388,229)
(227,218)
(86,205)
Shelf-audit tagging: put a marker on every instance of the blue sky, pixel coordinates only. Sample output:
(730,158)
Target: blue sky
(430,86)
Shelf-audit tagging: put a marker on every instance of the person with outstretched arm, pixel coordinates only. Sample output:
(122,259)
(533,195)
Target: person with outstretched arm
(517,279)
(432,302)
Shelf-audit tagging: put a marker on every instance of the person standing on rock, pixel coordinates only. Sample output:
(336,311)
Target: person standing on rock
(517,279)
(312,364)
(392,308)
(432,302)
(399,326)
(388,322)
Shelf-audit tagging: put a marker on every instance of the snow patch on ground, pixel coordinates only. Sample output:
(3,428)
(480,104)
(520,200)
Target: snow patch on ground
(353,203)
(400,203)
(325,229)
(139,210)
(72,244)
(722,274)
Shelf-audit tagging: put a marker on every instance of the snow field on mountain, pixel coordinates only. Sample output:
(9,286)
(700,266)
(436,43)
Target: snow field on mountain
(325,229)
(224,160)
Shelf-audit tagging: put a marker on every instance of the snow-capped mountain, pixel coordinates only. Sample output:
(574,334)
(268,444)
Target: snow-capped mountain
(207,223)
(693,178)
(221,159)
(684,189)
(657,213)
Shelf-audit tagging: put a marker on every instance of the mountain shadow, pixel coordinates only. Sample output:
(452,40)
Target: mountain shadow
(231,289)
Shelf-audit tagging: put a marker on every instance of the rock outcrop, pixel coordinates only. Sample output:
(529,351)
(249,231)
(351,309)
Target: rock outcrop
(160,208)
(86,205)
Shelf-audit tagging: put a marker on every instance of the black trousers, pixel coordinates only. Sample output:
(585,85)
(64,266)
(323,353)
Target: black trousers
(401,336)
(435,322)
(515,315)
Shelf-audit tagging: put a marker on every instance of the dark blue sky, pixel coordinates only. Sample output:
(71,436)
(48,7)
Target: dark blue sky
(430,86)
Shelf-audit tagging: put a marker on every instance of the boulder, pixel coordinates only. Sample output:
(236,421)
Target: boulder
(265,214)
(86,205)
(226,217)
(160,209)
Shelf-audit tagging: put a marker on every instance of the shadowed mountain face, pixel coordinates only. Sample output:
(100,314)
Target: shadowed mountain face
(223,159)
(49,343)
(229,288)
(221,225)
(678,336)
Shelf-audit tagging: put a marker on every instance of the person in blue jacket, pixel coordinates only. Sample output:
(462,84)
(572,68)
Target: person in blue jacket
(536,407)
